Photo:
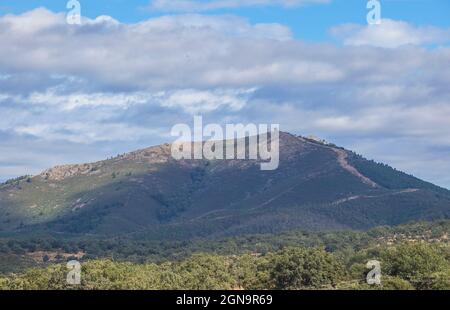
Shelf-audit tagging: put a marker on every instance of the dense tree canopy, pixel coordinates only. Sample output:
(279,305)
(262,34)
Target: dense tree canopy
(404,266)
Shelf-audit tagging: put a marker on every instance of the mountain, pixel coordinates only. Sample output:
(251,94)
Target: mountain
(147,193)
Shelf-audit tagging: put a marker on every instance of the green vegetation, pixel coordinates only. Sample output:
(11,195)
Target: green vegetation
(414,256)
(298,268)
(421,265)
(146,192)
(404,266)
(17,251)
(142,220)
(16,181)
(387,176)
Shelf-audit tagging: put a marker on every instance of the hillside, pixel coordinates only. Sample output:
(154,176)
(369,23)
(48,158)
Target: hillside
(148,194)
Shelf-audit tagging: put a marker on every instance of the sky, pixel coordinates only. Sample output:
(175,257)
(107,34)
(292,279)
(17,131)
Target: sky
(133,69)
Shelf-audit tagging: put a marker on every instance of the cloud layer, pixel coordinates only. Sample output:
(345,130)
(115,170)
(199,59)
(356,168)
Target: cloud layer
(390,34)
(105,87)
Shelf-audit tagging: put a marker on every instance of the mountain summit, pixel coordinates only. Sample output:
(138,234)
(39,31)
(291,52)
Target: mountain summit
(317,186)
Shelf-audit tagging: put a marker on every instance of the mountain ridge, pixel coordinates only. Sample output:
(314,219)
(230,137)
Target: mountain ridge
(317,186)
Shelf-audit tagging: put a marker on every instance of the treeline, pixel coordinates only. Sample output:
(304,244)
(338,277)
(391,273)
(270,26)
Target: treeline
(16,181)
(387,176)
(140,250)
(413,265)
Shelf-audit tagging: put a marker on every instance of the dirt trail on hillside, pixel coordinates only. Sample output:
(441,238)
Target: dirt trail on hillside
(403,191)
(342,156)
(342,159)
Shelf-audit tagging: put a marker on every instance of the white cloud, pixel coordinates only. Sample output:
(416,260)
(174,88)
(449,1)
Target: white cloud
(86,133)
(76,100)
(194,101)
(189,100)
(390,34)
(173,51)
(423,122)
(210,5)
(108,83)
(31,21)
(96,117)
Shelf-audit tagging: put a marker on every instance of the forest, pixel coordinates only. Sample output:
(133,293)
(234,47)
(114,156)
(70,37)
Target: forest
(405,266)
(413,256)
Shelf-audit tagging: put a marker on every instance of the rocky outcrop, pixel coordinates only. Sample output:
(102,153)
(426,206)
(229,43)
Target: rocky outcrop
(60,173)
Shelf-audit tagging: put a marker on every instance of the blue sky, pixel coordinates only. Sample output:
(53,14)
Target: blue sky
(308,22)
(80,93)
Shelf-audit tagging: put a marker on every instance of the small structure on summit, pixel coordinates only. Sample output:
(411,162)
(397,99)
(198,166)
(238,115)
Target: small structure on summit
(317,139)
